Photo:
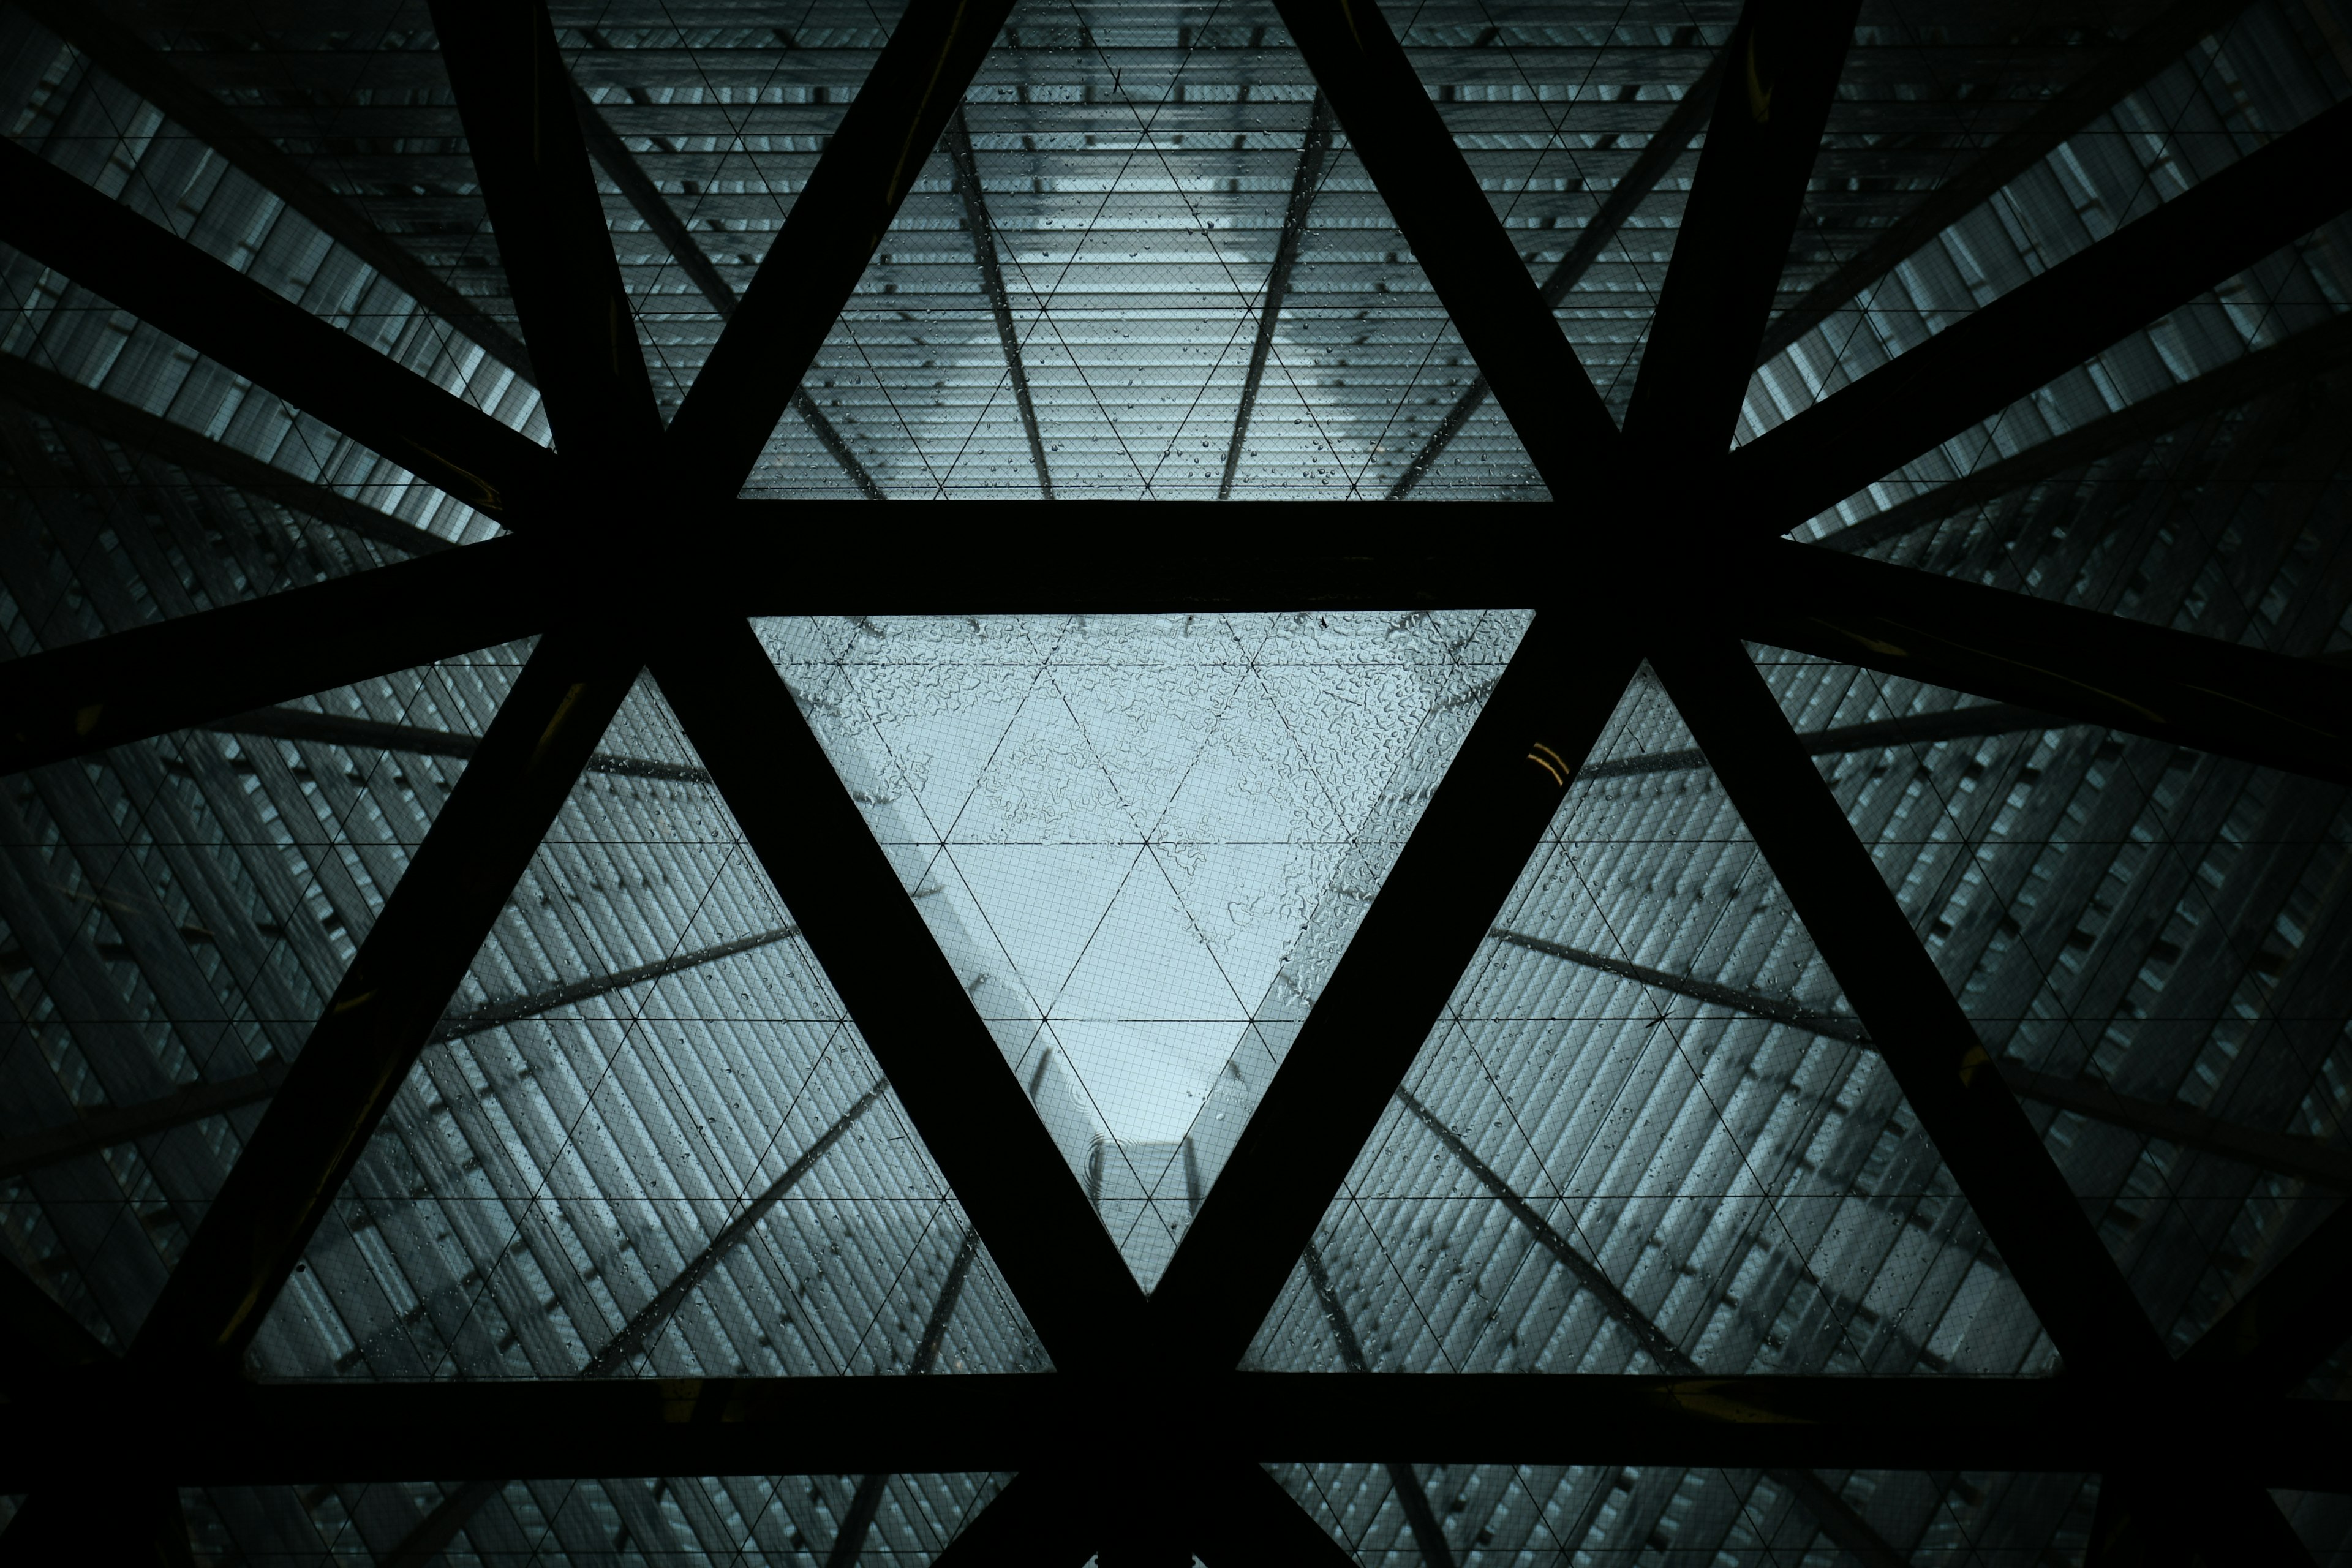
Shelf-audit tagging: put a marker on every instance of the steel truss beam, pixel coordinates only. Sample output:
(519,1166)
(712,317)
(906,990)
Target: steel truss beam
(187,673)
(377,735)
(1304,182)
(1975,722)
(2308,1158)
(966,169)
(612,153)
(2092,669)
(1464,251)
(318,368)
(1987,361)
(258,1434)
(59,398)
(2154,46)
(151,73)
(2310,352)
(1664,151)
(1783,62)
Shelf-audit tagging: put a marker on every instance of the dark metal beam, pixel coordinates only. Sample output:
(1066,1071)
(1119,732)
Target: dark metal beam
(2310,352)
(516,100)
(851,1539)
(256,1433)
(492,1014)
(1427,1533)
(966,171)
(2295,1316)
(1990,1148)
(2154,46)
(838,219)
(1256,1524)
(1463,249)
(1974,722)
(387,1005)
(151,73)
(375,734)
(1303,183)
(1782,67)
(1666,148)
(318,368)
(46,1342)
(912,1010)
(57,398)
(188,671)
(2092,669)
(1836,1517)
(119,1124)
(612,153)
(1980,365)
(2308,1158)
(1392,985)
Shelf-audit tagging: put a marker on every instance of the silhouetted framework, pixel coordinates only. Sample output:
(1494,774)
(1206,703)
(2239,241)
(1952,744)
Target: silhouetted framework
(594,610)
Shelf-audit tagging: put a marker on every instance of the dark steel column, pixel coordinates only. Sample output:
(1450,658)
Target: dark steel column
(1303,183)
(958,141)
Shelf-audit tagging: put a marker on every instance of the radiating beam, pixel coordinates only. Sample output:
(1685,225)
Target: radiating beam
(612,153)
(1403,1480)
(119,1124)
(1303,183)
(375,734)
(1836,1517)
(1731,246)
(1992,1151)
(2158,44)
(1973,722)
(2310,352)
(837,219)
(1469,259)
(516,100)
(966,171)
(151,73)
(1392,985)
(2092,669)
(316,367)
(59,398)
(1665,149)
(2308,1158)
(911,1008)
(387,1005)
(1988,359)
(851,1539)
(240,1433)
(188,671)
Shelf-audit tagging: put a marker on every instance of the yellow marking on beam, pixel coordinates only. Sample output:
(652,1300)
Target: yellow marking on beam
(1700,1399)
(488,501)
(1547,768)
(87,719)
(361,1000)
(563,711)
(1759,97)
(1347,15)
(1974,1062)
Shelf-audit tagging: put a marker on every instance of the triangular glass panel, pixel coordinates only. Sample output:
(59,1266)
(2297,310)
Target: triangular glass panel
(1648,1135)
(1141,840)
(645,1138)
(2151,941)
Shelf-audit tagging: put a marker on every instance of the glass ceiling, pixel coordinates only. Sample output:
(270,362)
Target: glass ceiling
(1647,1134)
